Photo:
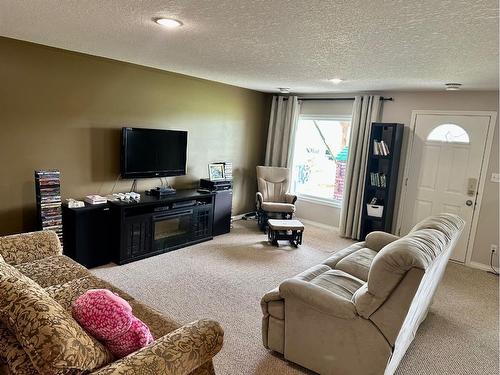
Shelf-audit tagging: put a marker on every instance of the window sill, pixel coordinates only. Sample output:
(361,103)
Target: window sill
(320,201)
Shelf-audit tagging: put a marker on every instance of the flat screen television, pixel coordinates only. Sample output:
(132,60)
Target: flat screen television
(153,153)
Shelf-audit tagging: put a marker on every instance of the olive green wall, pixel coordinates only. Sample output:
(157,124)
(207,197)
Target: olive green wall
(64,110)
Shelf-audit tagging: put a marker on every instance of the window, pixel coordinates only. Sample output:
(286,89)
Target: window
(320,157)
(449,133)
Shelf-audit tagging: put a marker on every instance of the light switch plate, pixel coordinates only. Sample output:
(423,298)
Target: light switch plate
(495,177)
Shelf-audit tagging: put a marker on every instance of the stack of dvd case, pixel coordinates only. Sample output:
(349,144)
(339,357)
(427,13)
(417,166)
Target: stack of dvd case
(48,201)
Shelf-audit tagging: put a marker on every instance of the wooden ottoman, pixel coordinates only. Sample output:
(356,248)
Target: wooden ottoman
(290,230)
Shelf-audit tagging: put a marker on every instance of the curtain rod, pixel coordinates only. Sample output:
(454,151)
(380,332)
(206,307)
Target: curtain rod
(389,99)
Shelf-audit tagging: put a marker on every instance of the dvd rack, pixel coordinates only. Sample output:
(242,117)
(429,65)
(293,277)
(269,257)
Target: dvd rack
(48,201)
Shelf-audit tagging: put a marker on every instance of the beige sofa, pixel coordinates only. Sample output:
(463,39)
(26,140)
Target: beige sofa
(39,336)
(358,311)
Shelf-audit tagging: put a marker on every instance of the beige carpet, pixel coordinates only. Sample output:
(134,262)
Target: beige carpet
(224,280)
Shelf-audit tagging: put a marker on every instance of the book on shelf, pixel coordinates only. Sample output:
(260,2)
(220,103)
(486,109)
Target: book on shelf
(378,180)
(380,148)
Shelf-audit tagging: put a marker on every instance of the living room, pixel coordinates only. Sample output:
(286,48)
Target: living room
(375,122)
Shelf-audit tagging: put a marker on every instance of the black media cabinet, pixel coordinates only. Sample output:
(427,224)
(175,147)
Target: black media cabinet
(156,225)
(123,232)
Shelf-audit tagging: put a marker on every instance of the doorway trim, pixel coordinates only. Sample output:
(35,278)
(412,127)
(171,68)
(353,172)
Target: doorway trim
(482,176)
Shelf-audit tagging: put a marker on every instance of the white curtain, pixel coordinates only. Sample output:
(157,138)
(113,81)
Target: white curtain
(366,110)
(281,132)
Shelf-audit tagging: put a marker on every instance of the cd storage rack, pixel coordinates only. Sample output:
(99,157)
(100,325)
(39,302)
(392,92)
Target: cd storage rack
(48,201)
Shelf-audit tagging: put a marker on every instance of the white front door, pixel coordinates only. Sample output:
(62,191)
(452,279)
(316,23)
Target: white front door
(444,171)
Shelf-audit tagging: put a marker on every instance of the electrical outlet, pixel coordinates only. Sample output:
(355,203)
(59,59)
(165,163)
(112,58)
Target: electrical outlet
(493,248)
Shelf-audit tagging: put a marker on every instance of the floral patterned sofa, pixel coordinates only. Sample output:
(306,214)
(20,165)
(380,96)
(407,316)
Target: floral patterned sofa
(38,335)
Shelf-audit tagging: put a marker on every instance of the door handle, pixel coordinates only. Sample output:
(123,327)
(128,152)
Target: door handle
(471,186)
(468,202)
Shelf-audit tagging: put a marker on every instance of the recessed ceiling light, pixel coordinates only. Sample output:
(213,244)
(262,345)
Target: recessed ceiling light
(336,80)
(453,86)
(168,22)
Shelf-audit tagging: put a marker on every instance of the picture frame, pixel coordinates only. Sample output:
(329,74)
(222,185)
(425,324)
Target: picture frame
(216,171)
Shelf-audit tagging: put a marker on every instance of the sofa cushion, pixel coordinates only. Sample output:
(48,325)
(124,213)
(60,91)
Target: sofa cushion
(358,263)
(13,354)
(53,270)
(278,207)
(337,256)
(65,294)
(338,282)
(158,323)
(48,334)
(312,272)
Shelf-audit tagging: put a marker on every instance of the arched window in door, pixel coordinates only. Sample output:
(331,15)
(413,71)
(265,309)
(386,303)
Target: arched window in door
(449,133)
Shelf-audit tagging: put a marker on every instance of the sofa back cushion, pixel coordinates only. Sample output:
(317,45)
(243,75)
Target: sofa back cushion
(273,183)
(28,247)
(419,249)
(51,338)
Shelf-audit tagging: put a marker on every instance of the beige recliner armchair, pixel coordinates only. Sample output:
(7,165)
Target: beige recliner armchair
(273,198)
(358,311)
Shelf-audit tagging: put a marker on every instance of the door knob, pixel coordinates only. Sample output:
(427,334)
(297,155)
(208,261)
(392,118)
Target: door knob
(468,202)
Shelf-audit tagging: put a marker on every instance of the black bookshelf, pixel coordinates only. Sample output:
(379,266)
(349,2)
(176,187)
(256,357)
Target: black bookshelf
(381,177)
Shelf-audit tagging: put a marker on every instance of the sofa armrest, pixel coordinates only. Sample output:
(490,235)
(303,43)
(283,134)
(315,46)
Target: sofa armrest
(290,198)
(377,240)
(28,247)
(318,298)
(177,353)
(272,295)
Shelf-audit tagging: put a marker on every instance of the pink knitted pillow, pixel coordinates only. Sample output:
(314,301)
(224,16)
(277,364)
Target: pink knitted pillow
(109,318)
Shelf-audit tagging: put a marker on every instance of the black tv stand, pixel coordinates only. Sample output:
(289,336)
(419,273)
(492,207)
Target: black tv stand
(156,225)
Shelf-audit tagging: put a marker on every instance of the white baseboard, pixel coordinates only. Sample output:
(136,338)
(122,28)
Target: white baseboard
(479,266)
(316,224)
(240,216)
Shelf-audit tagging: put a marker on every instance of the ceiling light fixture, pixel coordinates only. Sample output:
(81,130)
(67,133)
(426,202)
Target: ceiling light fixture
(453,86)
(336,80)
(284,90)
(168,22)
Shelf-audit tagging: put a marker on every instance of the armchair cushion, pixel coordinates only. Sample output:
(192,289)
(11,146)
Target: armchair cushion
(28,247)
(177,353)
(278,207)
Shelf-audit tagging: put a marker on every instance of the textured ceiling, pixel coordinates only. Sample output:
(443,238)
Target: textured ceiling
(266,44)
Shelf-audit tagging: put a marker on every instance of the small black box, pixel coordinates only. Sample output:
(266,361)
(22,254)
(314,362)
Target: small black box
(216,185)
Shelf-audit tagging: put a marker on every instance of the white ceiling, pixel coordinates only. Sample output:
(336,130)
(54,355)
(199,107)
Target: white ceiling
(266,44)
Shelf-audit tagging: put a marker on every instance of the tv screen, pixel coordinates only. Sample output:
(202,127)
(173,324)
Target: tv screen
(153,153)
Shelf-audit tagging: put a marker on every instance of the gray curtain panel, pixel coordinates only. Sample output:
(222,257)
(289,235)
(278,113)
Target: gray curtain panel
(281,132)
(366,109)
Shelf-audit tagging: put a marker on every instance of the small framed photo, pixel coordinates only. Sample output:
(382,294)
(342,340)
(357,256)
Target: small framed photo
(216,171)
